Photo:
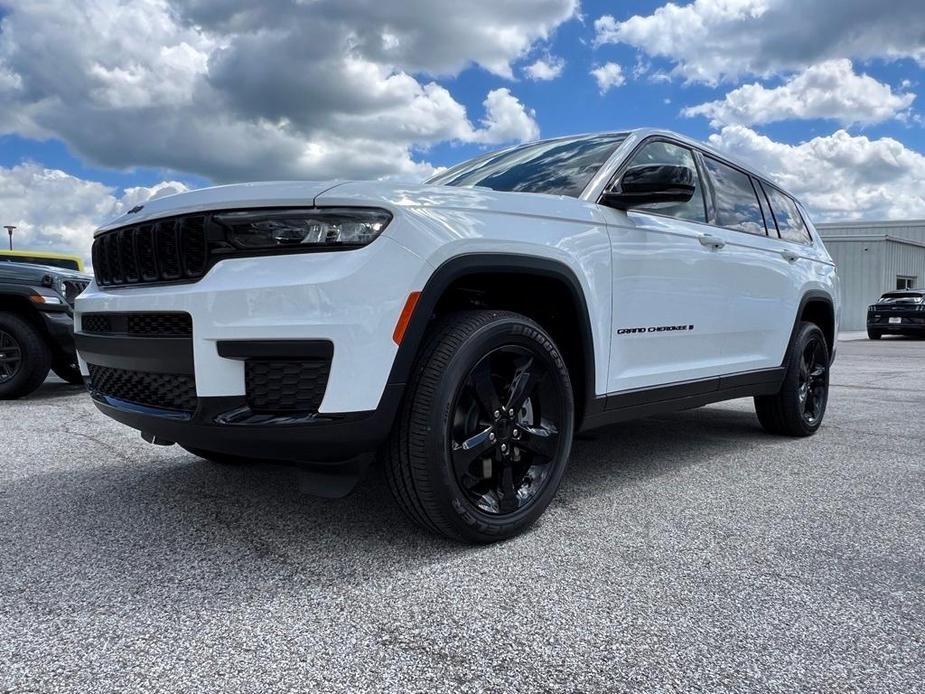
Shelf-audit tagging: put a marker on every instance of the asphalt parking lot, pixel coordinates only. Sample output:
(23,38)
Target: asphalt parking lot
(684,553)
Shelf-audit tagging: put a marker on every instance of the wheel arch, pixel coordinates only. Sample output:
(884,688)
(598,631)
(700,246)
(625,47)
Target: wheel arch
(580,358)
(15,299)
(817,307)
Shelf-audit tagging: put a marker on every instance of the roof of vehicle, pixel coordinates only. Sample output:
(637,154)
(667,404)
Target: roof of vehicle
(719,153)
(642,133)
(281,193)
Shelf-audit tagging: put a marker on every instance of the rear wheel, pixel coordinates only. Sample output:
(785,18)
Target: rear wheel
(485,429)
(24,357)
(798,409)
(874,334)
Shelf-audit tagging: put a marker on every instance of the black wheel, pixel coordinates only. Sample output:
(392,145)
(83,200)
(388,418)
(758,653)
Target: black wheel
(485,428)
(214,457)
(799,407)
(874,334)
(68,371)
(24,357)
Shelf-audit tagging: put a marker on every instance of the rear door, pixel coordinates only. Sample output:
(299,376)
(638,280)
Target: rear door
(671,282)
(763,284)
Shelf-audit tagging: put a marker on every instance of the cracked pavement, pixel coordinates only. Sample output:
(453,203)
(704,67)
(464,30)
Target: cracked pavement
(689,552)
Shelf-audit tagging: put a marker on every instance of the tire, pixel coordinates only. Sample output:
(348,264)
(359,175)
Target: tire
(214,457)
(874,334)
(26,360)
(473,365)
(799,407)
(68,372)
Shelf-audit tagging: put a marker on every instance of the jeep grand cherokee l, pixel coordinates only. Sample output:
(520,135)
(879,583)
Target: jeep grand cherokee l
(467,327)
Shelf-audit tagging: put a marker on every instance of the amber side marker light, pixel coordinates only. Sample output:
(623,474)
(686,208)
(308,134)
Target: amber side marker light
(405,318)
(44,299)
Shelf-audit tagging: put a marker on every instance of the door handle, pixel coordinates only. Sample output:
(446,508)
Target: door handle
(711,241)
(790,256)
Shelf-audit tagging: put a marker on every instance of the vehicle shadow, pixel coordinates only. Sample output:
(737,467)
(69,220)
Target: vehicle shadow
(53,389)
(144,511)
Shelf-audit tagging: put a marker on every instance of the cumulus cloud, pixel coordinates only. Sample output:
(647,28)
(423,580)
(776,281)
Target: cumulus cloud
(505,120)
(831,90)
(547,68)
(710,40)
(839,176)
(608,76)
(53,210)
(234,90)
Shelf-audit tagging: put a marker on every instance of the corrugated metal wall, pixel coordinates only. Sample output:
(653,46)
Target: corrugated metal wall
(912,230)
(869,267)
(860,268)
(903,259)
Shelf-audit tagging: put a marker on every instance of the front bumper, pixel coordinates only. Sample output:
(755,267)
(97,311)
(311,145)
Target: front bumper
(60,328)
(278,306)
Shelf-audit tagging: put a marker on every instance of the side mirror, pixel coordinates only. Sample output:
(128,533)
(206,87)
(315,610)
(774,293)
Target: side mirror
(651,183)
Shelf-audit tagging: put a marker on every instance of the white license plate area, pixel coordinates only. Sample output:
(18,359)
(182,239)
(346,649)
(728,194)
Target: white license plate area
(895,319)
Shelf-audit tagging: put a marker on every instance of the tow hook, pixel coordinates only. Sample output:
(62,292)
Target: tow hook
(156,440)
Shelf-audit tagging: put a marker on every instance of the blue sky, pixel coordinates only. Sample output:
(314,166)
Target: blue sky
(822,95)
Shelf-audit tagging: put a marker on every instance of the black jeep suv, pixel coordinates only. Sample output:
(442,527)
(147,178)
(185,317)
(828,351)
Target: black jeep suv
(37,326)
(897,313)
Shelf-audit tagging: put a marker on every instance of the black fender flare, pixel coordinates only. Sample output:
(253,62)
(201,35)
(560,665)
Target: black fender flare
(810,296)
(460,266)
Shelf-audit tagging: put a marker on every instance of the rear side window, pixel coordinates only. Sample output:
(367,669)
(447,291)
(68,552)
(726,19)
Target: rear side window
(789,221)
(737,204)
(668,153)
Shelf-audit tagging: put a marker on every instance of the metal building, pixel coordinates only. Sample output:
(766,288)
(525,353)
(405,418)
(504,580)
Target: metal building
(872,258)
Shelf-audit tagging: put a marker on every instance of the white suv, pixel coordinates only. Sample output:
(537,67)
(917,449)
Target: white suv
(464,328)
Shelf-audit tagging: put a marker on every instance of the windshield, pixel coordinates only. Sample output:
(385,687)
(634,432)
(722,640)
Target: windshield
(559,167)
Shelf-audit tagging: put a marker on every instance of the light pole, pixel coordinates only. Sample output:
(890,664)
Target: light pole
(9,230)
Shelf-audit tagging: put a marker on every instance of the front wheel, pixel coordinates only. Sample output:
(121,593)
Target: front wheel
(485,429)
(798,409)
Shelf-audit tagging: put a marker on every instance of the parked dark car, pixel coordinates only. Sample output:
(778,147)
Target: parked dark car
(37,326)
(897,313)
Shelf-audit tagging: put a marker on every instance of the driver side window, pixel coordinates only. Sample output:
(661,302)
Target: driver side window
(668,153)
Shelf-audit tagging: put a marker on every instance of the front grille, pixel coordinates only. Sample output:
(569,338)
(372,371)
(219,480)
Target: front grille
(164,391)
(138,324)
(72,288)
(282,386)
(164,251)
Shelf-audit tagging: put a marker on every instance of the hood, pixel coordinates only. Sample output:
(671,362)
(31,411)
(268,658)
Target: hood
(235,196)
(404,195)
(30,272)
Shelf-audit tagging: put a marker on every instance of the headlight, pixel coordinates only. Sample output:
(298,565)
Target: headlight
(332,227)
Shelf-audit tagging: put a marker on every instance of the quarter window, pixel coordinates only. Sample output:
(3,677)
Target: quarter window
(668,153)
(736,202)
(789,222)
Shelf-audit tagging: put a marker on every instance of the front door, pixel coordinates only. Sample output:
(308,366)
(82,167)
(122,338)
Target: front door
(671,287)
